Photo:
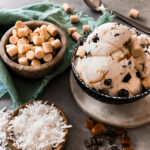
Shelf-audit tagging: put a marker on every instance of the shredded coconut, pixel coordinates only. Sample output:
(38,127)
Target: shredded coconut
(4,117)
(37,127)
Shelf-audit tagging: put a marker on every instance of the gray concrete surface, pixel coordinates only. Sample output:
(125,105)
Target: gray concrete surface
(58,91)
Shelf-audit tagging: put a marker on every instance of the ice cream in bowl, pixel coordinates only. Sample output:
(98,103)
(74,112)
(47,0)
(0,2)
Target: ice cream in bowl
(112,64)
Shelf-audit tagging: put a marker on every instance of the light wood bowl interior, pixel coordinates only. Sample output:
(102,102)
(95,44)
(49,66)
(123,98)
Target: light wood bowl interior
(15,113)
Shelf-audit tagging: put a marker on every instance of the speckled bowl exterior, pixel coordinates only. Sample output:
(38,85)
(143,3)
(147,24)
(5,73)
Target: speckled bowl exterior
(99,95)
(33,71)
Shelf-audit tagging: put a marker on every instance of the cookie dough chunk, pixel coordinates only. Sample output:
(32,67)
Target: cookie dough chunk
(23,61)
(134,13)
(136,50)
(76,36)
(66,7)
(35,62)
(71,30)
(74,19)
(38,40)
(23,32)
(47,57)
(30,55)
(52,30)
(19,24)
(118,56)
(47,47)
(86,28)
(80,52)
(39,53)
(44,33)
(13,39)
(14,32)
(22,41)
(56,44)
(12,50)
(23,48)
(37,30)
(146,82)
(51,39)
(31,36)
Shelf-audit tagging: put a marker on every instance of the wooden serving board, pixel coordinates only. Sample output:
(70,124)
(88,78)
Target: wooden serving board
(122,8)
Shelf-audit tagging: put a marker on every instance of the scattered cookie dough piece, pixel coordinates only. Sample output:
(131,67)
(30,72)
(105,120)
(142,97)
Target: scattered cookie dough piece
(76,36)
(74,19)
(80,52)
(134,13)
(86,28)
(66,7)
(71,30)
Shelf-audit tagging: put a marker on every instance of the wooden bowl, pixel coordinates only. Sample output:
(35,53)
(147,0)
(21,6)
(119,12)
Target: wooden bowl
(15,113)
(33,71)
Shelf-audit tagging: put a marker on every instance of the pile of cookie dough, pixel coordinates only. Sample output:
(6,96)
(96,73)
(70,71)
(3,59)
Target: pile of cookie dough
(115,59)
(33,48)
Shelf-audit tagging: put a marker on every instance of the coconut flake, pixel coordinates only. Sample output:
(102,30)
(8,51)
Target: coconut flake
(37,127)
(4,117)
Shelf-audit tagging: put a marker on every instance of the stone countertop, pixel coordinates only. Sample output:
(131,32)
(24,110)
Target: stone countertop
(58,91)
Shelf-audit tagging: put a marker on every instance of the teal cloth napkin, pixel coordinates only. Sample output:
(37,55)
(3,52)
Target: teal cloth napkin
(21,89)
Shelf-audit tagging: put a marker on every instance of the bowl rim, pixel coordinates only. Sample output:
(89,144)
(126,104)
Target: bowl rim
(114,99)
(43,66)
(15,113)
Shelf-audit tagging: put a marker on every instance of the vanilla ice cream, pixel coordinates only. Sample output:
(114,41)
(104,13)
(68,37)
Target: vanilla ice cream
(116,60)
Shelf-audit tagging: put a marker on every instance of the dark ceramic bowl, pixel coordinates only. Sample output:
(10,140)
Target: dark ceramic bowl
(99,95)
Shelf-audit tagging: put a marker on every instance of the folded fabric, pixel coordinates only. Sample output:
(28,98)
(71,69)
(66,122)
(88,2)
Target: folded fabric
(21,89)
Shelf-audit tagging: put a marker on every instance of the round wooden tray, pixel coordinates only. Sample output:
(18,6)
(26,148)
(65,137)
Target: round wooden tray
(15,113)
(123,116)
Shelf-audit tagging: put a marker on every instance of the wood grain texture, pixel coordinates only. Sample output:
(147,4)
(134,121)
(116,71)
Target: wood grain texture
(123,7)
